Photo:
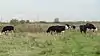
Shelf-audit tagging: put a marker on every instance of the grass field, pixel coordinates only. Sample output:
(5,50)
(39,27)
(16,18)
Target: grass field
(70,43)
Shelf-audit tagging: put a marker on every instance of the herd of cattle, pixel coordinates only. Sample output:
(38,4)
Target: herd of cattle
(59,29)
(83,28)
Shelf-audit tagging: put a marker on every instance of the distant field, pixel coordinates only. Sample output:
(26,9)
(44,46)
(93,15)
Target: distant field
(70,43)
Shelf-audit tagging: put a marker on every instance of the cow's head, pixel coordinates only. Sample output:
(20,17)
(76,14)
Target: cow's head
(96,29)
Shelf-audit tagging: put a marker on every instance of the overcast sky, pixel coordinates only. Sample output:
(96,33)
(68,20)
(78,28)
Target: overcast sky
(47,10)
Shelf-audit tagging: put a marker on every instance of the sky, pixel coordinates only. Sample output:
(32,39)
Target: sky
(47,10)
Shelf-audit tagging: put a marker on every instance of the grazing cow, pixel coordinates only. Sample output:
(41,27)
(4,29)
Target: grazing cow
(7,28)
(68,26)
(57,29)
(91,26)
(83,28)
(73,27)
(87,26)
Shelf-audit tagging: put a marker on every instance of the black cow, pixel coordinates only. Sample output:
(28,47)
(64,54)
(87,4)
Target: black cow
(57,29)
(7,28)
(87,26)
(83,28)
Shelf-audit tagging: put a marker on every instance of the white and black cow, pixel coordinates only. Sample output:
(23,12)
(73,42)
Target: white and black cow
(91,27)
(73,27)
(57,29)
(69,26)
(83,28)
(7,28)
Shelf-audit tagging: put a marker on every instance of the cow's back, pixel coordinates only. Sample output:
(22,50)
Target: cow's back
(56,28)
(7,28)
(51,28)
(90,26)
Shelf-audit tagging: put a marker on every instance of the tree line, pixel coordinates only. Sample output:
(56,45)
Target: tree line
(15,21)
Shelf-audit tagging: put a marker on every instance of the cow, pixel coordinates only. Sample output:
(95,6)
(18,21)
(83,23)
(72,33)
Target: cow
(68,26)
(83,28)
(91,26)
(73,27)
(7,28)
(57,29)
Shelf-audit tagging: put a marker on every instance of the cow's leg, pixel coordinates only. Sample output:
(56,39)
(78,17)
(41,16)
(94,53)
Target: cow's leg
(81,31)
(12,31)
(51,32)
(5,32)
(85,31)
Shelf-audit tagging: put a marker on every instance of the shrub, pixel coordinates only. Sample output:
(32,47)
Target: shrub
(22,21)
(29,28)
(14,21)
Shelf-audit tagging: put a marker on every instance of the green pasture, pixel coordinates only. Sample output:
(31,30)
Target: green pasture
(69,43)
